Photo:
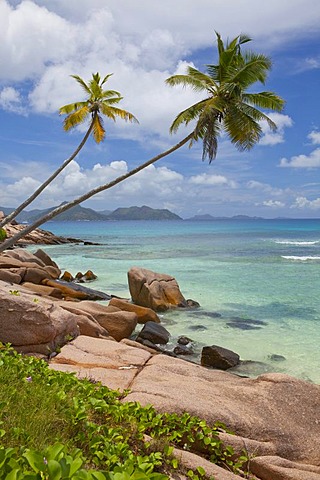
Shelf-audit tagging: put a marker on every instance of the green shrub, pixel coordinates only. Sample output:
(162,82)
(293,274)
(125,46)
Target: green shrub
(54,426)
(3,234)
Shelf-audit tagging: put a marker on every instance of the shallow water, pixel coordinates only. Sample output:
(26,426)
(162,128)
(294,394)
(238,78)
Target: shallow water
(260,276)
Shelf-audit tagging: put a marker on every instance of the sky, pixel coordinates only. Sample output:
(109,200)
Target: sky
(143,42)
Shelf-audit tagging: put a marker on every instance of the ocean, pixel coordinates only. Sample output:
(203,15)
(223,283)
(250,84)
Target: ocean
(257,282)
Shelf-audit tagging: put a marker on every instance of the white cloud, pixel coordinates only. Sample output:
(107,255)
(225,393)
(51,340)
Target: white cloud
(304,203)
(273,138)
(266,188)
(273,204)
(302,161)
(314,137)
(10,100)
(208,180)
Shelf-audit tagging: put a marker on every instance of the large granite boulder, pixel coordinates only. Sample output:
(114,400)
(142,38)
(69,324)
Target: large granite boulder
(112,363)
(154,290)
(275,418)
(273,414)
(144,314)
(119,324)
(32,324)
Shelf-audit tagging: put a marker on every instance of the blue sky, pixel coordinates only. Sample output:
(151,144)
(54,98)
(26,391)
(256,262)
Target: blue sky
(142,43)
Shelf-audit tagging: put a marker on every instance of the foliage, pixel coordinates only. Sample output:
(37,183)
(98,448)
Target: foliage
(3,234)
(230,105)
(54,426)
(98,101)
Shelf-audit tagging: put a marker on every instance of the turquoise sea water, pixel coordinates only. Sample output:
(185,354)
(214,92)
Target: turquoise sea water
(261,276)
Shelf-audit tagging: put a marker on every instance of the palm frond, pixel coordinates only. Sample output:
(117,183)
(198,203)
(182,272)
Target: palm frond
(76,118)
(257,115)
(267,100)
(82,83)
(111,93)
(106,78)
(208,129)
(113,112)
(98,129)
(188,115)
(243,130)
(186,81)
(254,68)
(67,109)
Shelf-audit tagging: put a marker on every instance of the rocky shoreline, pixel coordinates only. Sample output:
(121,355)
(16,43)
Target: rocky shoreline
(275,418)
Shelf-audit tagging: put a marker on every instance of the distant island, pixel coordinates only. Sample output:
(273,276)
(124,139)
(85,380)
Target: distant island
(79,213)
(207,217)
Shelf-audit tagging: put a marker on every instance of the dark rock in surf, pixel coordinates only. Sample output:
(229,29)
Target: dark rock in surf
(184,340)
(219,357)
(154,333)
(197,328)
(183,350)
(276,358)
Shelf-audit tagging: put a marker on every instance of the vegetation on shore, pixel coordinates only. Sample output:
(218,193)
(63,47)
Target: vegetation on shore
(54,426)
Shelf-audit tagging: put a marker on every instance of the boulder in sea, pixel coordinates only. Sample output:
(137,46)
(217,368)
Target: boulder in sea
(155,333)
(74,290)
(183,340)
(67,277)
(219,357)
(243,323)
(144,314)
(276,358)
(183,350)
(89,276)
(154,290)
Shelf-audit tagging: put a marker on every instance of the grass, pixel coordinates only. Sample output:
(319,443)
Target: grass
(54,426)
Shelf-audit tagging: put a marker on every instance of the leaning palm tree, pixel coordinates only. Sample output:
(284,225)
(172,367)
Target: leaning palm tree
(99,102)
(228,106)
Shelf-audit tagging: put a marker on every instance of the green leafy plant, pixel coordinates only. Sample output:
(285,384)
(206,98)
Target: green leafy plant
(3,234)
(54,426)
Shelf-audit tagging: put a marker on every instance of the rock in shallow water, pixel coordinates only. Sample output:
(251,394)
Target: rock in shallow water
(219,357)
(155,333)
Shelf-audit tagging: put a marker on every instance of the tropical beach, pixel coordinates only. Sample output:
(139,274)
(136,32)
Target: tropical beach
(244,270)
(159,241)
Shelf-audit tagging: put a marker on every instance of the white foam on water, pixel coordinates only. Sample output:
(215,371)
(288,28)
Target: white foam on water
(301,259)
(296,243)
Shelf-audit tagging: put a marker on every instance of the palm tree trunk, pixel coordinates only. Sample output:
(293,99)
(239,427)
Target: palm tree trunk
(23,205)
(45,218)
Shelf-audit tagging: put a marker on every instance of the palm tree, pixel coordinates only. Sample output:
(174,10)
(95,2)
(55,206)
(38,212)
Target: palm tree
(99,101)
(228,106)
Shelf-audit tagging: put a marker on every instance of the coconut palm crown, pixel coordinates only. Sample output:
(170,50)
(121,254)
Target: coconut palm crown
(229,105)
(99,101)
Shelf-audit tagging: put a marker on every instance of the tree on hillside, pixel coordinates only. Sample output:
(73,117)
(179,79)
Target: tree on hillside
(99,102)
(229,106)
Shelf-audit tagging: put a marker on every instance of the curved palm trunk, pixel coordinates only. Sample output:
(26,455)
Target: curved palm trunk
(23,205)
(45,218)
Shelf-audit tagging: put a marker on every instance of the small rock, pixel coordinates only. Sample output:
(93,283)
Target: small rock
(192,303)
(67,277)
(276,358)
(219,357)
(184,340)
(197,328)
(155,333)
(183,350)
